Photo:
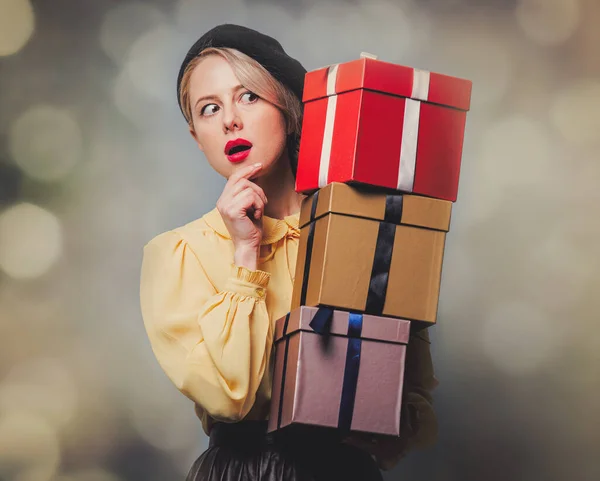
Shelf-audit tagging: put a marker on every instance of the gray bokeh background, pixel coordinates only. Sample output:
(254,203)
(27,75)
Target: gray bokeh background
(95,159)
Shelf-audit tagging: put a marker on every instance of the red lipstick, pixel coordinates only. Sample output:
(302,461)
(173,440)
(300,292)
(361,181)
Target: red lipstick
(237,150)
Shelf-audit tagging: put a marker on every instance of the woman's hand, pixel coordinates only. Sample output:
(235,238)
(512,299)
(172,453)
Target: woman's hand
(386,450)
(242,205)
(419,430)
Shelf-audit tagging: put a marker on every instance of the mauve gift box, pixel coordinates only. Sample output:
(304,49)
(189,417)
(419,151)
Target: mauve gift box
(338,370)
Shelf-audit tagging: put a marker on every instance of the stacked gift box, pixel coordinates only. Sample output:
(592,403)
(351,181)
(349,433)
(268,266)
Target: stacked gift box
(379,159)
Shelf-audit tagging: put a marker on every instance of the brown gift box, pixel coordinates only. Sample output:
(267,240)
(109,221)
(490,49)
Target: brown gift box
(371,252)
(350,378)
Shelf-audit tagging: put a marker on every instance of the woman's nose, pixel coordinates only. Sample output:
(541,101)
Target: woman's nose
(231,120)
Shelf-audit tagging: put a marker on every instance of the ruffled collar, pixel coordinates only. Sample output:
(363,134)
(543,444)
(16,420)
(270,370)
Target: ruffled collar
(273,229)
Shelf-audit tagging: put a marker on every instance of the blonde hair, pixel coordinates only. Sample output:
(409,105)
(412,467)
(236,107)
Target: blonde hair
(255,78)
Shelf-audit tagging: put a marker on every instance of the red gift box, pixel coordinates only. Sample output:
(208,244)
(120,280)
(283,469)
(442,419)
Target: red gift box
(381,124)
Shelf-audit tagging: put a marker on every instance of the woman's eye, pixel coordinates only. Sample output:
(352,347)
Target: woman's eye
(249,97)
(209,109)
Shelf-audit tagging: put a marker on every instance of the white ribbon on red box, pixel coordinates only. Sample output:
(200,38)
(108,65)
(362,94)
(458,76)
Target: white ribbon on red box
(329,119)
(410,128)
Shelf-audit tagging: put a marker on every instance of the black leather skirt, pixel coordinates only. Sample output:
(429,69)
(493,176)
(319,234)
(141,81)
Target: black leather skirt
(244,451)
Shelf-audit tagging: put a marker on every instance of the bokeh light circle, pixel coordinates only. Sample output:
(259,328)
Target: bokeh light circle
(42,386)
(576,112)
(560,268)
(513,151)
(17,24)
(46,142)
(30,241)
(150,65)
(124,24)
(548,22)
(481,53)
(381,28)
(519,338)
(29,445)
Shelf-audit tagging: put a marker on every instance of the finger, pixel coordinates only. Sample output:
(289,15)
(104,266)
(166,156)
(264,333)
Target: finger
(249,199)
(233,204)
(258,190)
(233,180)
(244,173)
(245,184)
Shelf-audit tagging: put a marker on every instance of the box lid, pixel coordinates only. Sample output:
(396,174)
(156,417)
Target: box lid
(395,208)
(375,328)
(400,80)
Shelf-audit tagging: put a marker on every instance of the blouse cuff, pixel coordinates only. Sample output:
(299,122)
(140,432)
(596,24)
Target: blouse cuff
(248,283)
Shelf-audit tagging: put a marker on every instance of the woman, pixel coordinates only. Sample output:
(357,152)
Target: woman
(212,290)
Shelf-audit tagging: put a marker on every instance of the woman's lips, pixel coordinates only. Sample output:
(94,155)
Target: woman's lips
(239,156)
(238,149)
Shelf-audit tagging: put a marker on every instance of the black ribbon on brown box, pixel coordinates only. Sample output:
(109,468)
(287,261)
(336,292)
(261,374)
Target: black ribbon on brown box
(383,252)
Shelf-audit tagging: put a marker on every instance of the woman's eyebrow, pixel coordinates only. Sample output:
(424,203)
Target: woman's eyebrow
(215,97)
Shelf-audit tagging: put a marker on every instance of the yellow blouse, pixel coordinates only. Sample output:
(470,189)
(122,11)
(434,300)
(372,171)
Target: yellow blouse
(210,323)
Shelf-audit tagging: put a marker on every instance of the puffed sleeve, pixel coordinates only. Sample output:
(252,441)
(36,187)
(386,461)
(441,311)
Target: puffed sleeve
(213,344)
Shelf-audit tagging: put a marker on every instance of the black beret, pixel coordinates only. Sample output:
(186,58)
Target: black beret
(264,49)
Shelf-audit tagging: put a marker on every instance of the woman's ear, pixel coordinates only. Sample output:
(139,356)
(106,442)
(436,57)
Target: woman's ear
(195,136)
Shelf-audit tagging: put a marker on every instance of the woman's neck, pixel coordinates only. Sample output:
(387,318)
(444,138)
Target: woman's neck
(279,185)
